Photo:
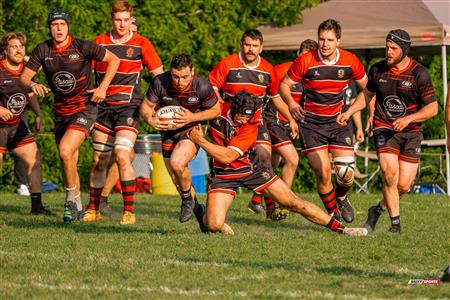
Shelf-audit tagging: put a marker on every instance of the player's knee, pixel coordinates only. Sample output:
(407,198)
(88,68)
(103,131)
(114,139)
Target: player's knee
(403,188)
(214,225)
(102,149)
(65,152)
(344,167)
(390,179)
(122,157)
(177,165)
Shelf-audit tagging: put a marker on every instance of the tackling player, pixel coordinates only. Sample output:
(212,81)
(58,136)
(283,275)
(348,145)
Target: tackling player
(404,98)
(66,62)
(236,164)
(181,86)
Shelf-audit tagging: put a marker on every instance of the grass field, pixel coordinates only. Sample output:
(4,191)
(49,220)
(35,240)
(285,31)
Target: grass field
(160,258)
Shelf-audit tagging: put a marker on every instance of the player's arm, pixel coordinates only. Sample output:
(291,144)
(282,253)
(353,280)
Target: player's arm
(358,124)
(186,116)
(37,112)
(360,103)
(423,114)
(222,154)
(99,93)
(147,111)
(369,123)
(26,81)
(284,110)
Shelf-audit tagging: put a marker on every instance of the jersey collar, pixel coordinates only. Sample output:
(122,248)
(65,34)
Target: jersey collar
(326,62)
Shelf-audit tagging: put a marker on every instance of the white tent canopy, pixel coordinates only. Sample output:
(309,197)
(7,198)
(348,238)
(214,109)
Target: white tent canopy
(365,25)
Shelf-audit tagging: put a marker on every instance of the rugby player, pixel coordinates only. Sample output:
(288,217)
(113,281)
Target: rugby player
(117,124)
(247,70)
(236,164)
(181,86)
(325,74)
(404,98)
(14,133)
(66,62)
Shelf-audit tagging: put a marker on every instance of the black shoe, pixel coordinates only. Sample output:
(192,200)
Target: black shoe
(346,209)
(336,215)
(44,211)
(372,218)
(199,212)
(187,210)
(71,212)
(395,229)
(105,209)
(446,276)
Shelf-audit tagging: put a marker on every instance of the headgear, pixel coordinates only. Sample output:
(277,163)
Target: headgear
(58,14)
(402,39)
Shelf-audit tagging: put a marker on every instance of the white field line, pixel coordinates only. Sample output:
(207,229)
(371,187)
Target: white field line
(182,292)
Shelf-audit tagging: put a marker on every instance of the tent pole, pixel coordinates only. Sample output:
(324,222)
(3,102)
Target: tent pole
(445,89)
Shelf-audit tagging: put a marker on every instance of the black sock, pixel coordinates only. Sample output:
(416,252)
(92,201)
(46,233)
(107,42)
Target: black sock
(36,201)
(395,221)
(104,199)
(186,195)
(380,210)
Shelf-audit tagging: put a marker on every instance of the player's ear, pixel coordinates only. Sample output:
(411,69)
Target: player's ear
(193,71)
(261,49)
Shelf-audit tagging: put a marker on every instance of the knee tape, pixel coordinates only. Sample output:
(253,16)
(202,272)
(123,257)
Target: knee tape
(344,167)
(102,147)
(122,143)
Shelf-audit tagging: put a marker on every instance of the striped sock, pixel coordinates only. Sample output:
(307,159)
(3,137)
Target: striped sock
(256,199)
(270,204)
(329,201)
(342,191)
(128,189)
(94,197)
(335,226)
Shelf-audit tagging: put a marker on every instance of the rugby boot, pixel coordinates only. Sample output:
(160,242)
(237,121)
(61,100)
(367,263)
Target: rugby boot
(346,209)
(187,209)
(91,215)
(373,214)
(128,218)
(256,208)
(71,213)
(44,211)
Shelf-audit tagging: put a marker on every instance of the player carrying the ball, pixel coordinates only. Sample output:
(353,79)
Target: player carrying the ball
(180,87)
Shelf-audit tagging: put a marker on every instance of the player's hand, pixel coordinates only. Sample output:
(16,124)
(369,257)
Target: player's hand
(98,94)
(401,123)
(40,89)
(343,118)
(183,117)
(360,135)
(159,124)
(37,124)
(196,133)
(297,111)
(294,129)
(369,126)
(5,114)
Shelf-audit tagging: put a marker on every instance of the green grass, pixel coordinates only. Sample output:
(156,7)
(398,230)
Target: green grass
(160,258)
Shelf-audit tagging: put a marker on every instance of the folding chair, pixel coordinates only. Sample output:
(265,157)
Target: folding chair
(362,180)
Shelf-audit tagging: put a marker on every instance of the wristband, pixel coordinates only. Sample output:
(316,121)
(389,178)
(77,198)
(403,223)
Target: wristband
(33,85)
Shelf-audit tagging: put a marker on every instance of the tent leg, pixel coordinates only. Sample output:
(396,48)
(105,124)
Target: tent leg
(444,79)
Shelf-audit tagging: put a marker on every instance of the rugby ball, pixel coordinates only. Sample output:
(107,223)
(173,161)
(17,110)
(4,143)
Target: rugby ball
(167,113)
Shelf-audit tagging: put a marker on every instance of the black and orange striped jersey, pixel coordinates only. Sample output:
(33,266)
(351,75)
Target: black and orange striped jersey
(296,91)
(13,96)
(399,93)
(136,52)
(68,71)
(197,97)
(242,139)
(325,83)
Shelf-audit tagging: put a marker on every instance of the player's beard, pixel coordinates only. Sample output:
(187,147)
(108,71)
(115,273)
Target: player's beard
(16,59)
(393,61)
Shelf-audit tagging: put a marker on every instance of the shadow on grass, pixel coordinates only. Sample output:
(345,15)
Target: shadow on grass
(261,221)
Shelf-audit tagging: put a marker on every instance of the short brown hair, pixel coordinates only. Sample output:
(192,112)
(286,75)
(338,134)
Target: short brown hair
(308,45)
(330,24)
(120,6)
(11,36)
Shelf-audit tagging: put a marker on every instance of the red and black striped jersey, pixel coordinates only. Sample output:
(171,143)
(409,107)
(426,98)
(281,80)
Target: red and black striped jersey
(399,93)
(68,71)
(133,54)
(197,97)
(324,83)
(242,139)
(13,96)
(296,91)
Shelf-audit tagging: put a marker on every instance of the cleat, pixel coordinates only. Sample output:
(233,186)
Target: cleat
(355,231)
(256,208)
(372,218)
(42,211)
(279,214)
(226,229)
(91,215)
(105,209)
(187,210)
(199,212)
(128,218)
(346,209)
(71,212)
(446,276)
(336,215)
(395,229)
(23,190)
